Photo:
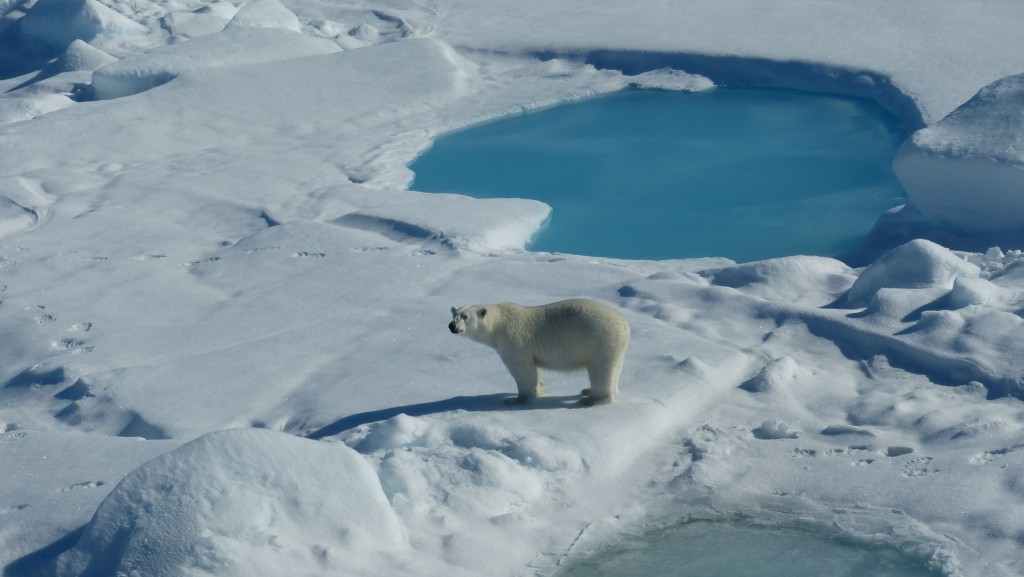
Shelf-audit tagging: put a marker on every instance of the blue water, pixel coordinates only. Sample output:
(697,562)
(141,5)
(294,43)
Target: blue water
(647,174)
(720,549)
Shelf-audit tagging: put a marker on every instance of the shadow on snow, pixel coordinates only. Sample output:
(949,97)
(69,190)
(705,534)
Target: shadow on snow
(478,403)
(42,563)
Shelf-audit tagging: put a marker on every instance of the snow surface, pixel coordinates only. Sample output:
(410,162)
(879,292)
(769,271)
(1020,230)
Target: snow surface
(217,252)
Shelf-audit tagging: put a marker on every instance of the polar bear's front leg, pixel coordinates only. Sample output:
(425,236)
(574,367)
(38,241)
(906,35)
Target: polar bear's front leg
(527,378)
(604,380)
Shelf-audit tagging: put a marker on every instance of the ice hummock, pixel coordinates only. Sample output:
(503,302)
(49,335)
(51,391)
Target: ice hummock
(967,170)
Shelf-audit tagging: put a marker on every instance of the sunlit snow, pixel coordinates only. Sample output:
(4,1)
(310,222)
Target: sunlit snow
(223,342)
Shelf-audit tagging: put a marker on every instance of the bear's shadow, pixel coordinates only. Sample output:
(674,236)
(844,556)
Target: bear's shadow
(477,404)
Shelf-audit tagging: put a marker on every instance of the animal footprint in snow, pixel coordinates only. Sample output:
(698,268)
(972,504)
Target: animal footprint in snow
(989,456)
(305,254)
(6,510)
(262,249)
(12,436)
(918,467)
(80,327)
(41,318)
(73,345)
(852,450)
(84,485)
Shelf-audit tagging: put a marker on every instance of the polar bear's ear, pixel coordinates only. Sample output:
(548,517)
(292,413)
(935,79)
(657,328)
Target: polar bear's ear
(481,313)
(454,311)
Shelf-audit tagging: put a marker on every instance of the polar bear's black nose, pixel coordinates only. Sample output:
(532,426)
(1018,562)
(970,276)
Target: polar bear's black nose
(452,327)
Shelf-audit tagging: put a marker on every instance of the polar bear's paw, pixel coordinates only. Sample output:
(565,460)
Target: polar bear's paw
(588,399)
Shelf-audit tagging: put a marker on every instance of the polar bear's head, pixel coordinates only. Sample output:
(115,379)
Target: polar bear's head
(473,322)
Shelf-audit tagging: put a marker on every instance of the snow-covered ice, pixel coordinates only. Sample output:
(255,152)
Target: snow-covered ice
(964,166)
(59,22)
(258,496)
(208,250)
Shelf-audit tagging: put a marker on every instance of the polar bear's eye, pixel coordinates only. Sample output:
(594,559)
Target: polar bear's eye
(482,313)
(464,316)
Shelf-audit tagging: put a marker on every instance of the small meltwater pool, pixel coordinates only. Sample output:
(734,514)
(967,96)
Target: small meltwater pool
(746,174)
(742,549)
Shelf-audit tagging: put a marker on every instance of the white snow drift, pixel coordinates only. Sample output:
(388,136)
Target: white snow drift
(968,169)
(224,242)
(236,502)
(59,22)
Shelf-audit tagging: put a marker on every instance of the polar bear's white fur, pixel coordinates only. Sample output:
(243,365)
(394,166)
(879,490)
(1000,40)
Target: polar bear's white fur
(562,336)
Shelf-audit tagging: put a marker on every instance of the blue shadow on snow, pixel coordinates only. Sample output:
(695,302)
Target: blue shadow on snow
(478,403)
(43,563)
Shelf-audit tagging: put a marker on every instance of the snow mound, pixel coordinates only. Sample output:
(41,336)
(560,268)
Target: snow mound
(60,22)
(483,465)
(774,429)
(775,376)
(15,110)
(916,265)
(478,225)
(235,46)
(80,56)
(240,502)
(49,89)
(207,19)
(818,280)
(266,14)
(978,291)
(968,169)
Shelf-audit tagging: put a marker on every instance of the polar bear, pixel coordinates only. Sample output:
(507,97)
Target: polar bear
(562,336)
